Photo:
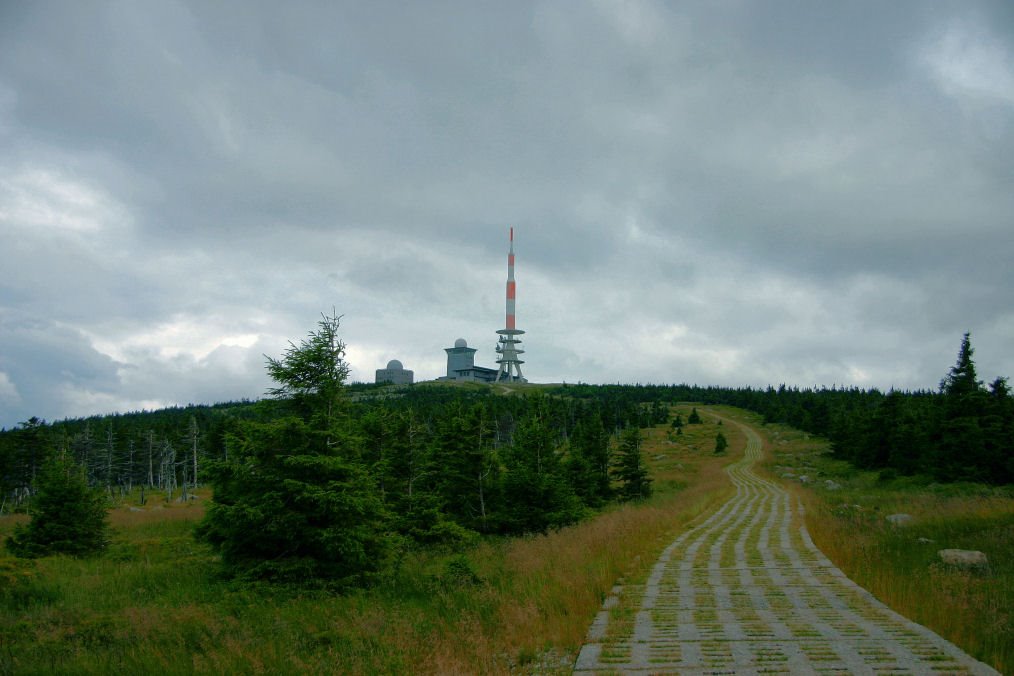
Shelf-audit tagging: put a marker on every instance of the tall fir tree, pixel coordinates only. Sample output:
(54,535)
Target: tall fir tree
(294,502)
(630,470)
(534,492)
(589,458)
(962,388)
(961,451)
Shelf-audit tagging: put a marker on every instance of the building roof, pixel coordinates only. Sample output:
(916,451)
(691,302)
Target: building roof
(481,369)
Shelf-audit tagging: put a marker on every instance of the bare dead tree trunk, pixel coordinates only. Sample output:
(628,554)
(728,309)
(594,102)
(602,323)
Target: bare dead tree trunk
(130,466)
(482,497)
(193,433)
(481,477)
(110,443)
(151,452)
(183,467)
(414,472)
(167,470)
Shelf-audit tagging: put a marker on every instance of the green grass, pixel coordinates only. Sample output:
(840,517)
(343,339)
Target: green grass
(900,565)
(155,603)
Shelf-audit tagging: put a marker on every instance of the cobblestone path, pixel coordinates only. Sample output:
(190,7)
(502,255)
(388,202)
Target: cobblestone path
(747,592)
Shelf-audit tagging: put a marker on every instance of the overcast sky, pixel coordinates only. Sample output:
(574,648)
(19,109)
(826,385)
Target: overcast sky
(730,193)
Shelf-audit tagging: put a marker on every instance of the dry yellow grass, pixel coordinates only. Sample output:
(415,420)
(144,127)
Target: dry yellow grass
(551,586)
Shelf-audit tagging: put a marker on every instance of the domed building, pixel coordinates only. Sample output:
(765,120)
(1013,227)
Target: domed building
(395,373)
(461,364)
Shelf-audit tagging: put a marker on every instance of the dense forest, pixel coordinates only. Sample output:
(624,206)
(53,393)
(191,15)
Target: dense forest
(439,463)
(428,428)
(962,432)
(328,481)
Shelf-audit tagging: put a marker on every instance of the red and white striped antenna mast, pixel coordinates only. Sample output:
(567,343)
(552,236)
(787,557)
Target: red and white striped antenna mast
(507,346)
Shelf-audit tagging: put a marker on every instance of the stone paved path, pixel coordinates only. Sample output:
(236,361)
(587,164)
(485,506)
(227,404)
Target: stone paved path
(747,592)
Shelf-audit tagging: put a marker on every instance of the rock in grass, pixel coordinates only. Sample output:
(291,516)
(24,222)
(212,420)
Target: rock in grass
(967,559)
(831,485)
(899,519)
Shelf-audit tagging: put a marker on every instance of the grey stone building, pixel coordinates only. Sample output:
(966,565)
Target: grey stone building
(395,373)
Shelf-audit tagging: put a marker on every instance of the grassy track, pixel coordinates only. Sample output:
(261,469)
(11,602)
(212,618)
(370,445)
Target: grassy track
(900,565)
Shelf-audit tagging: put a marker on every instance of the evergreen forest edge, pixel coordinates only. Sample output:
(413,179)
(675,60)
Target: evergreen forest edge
(431,465)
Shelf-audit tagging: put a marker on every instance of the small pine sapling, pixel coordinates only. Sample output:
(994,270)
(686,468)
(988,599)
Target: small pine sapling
(721,444)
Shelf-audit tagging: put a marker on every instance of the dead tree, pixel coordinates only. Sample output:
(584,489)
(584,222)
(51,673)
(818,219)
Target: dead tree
(167,470)
(193,434)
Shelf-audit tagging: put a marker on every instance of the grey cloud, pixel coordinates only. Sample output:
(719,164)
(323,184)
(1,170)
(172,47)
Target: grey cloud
(734,193)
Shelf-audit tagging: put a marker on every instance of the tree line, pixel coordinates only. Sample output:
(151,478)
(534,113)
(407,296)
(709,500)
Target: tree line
(159,451)
(325,480)
(964,431)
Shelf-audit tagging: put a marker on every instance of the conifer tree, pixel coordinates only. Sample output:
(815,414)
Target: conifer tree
(588,462)
(294,502)
(961,453)
(463,466)
(635,484)
(721,444)
(68,517)
(961,387)
(535,494)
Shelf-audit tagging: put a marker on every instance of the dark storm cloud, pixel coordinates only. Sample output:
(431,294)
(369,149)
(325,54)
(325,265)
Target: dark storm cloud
(737,193)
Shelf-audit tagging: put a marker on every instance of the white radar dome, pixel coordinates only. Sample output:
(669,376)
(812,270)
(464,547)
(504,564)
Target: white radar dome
(394,364)
(460,342)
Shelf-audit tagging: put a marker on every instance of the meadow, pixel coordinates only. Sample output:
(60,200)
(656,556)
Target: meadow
(155,602)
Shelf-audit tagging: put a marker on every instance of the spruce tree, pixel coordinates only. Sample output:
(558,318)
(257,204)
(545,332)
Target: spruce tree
(588,461)
(464,467)
(294,502)
(961,388)
(721,444)
(961,452)
(535,494)
(1000,431)
(68,517)
(635,484)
